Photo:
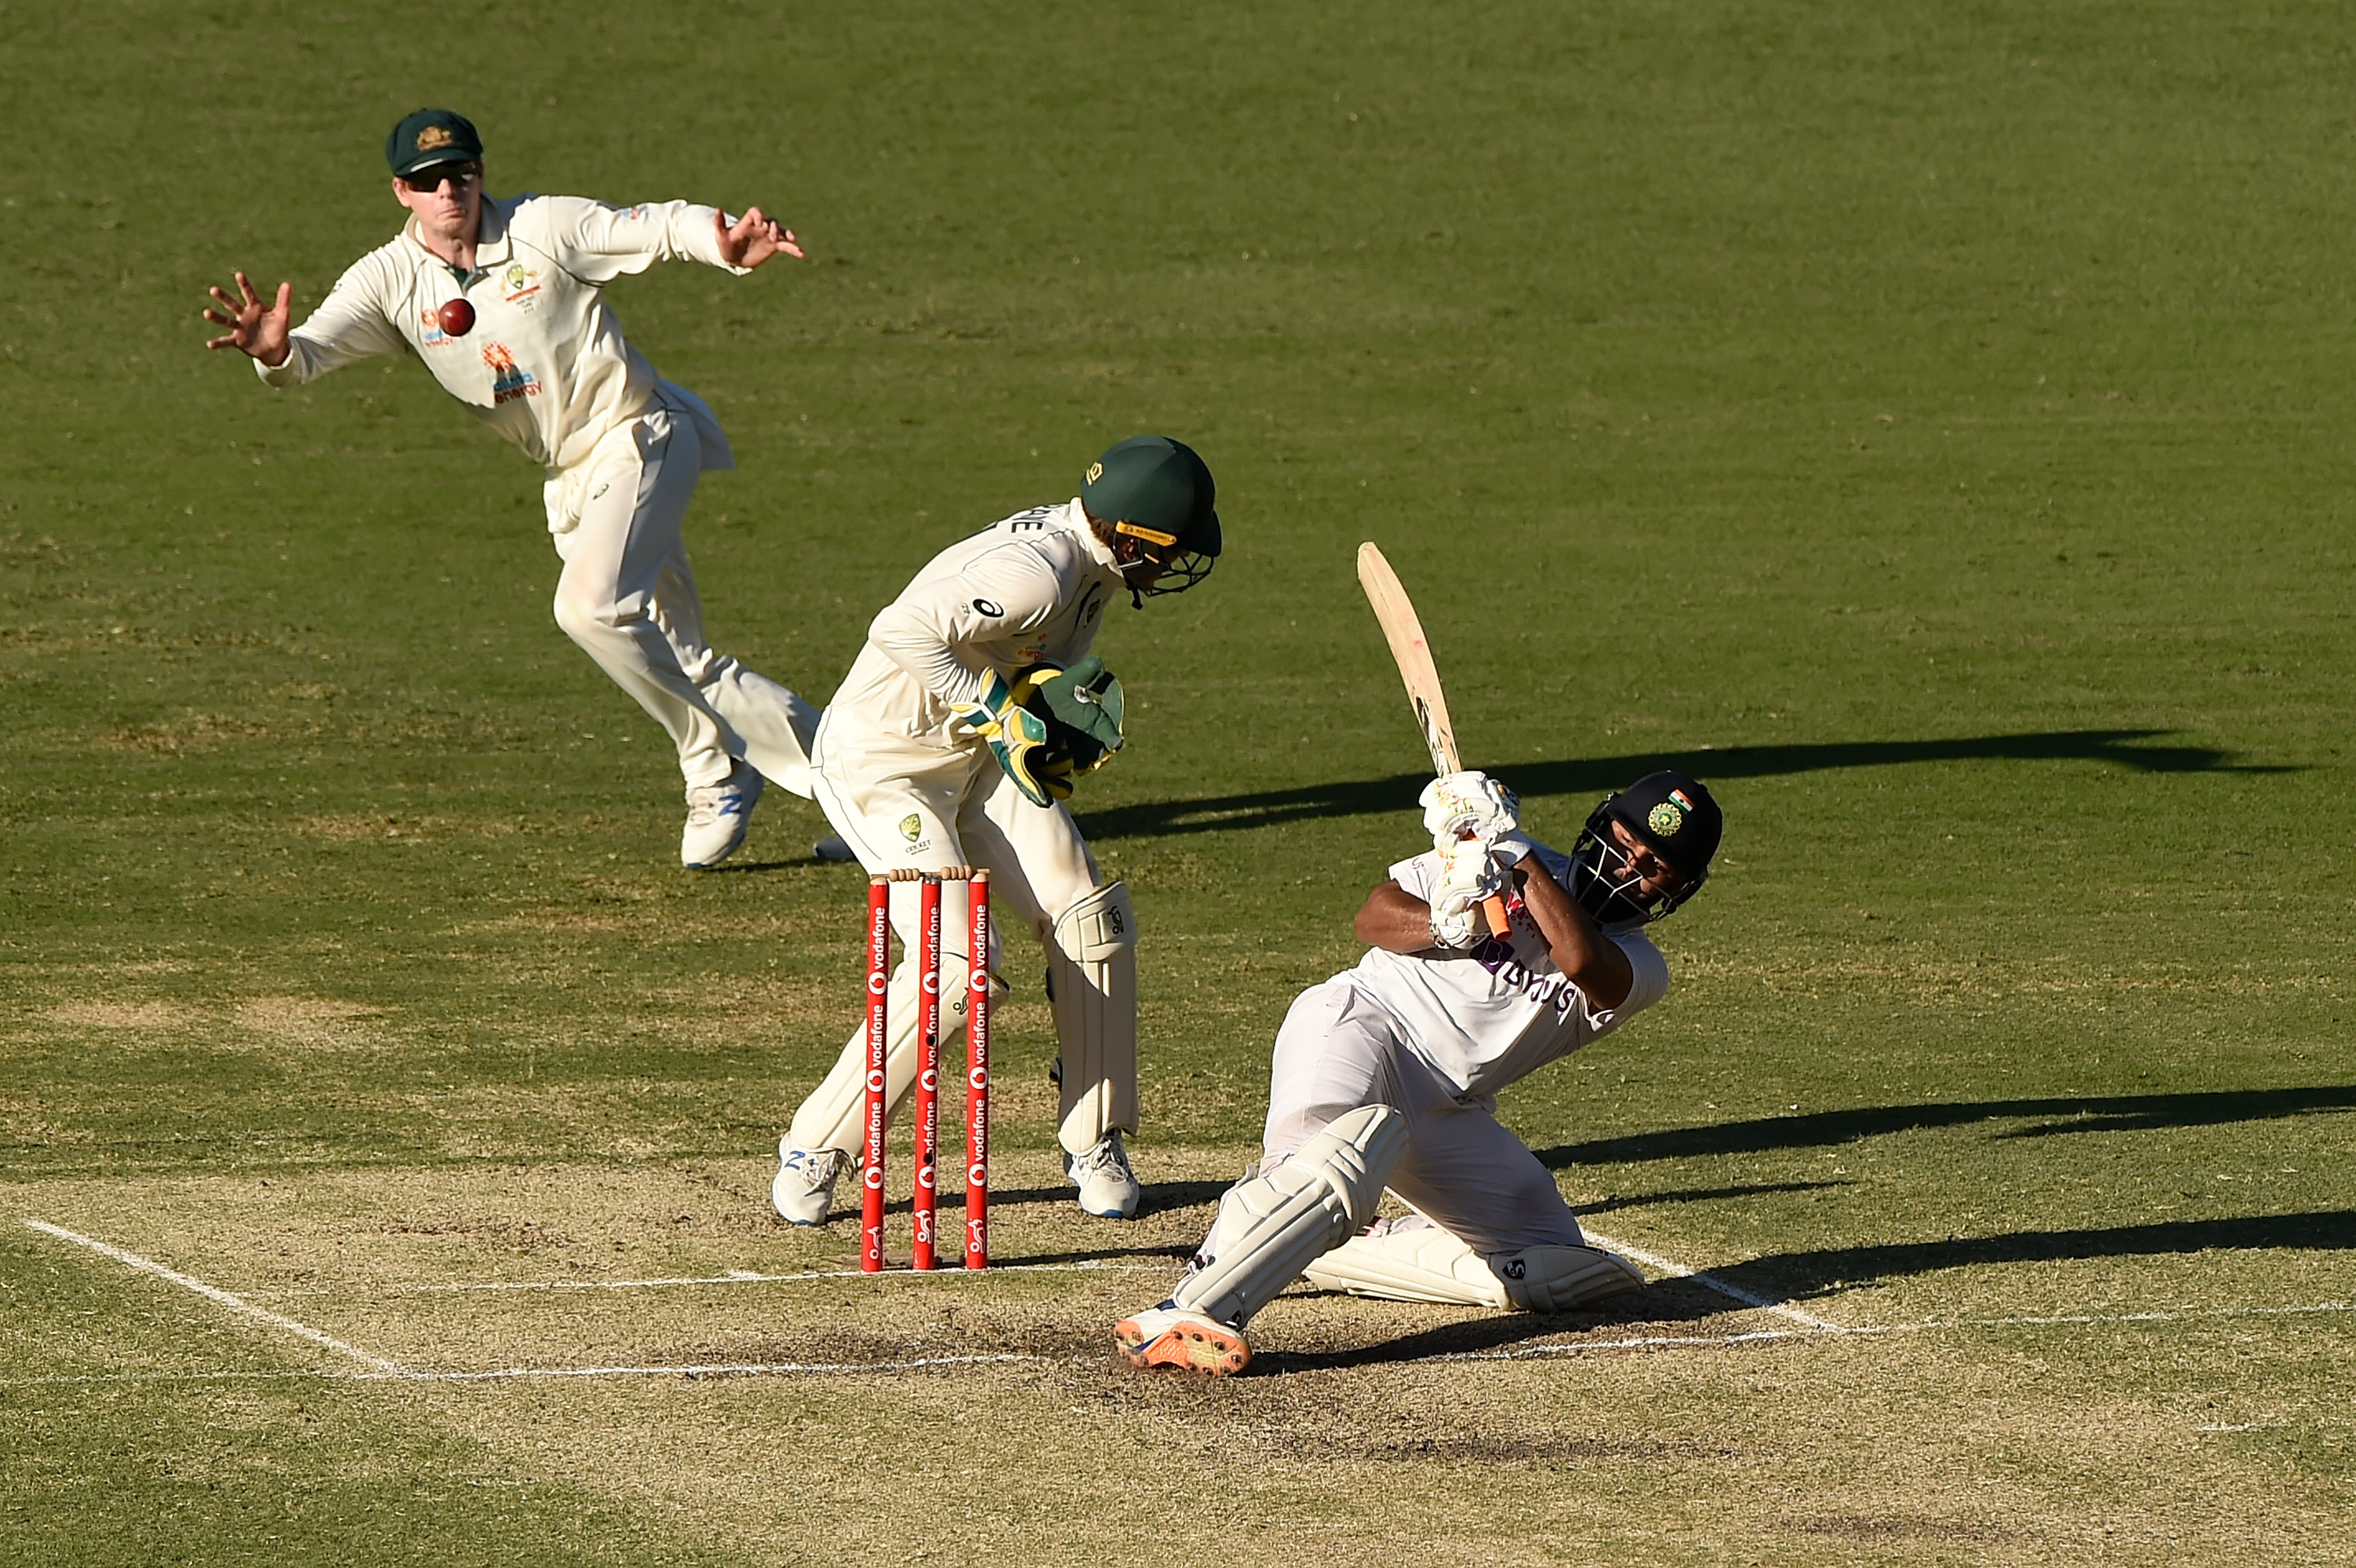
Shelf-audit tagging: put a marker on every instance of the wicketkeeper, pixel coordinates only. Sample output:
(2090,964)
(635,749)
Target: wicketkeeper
(505,302)
(1387,1075)
(955,739)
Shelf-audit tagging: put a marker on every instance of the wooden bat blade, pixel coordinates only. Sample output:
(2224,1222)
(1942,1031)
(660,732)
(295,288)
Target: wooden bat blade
(1394,612)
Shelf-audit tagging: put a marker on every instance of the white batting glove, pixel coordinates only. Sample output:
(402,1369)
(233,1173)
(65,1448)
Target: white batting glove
(1468,875)
(1469,804)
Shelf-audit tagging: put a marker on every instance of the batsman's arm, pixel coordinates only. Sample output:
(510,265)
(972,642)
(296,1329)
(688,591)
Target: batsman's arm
(1395,920)
(1591,960)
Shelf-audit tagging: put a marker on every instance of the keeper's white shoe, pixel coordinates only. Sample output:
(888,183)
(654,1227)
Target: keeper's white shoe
(717,816)
(802,1192)
(1107,1187)
(1170,1336)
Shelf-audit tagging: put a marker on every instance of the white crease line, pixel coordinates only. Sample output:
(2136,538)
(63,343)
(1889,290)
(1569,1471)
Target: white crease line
(725,1369)
(746,1276)
(215,1293)
(1710,1282)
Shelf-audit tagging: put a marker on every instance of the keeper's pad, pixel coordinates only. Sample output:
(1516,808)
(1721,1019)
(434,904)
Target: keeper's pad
(1271,1227)
(1424,1262)
(1092,981)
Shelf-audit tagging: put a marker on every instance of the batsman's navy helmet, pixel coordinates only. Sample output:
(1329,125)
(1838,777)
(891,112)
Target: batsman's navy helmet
(1156,491)
(1671,815)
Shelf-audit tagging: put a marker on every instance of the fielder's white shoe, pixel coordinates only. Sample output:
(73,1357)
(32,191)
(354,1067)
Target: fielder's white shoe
(717,816)
(802,1192)
(1170,1336)
(1107,1187)
(833,850)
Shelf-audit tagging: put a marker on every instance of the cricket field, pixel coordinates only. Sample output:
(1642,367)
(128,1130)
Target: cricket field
(1929,424)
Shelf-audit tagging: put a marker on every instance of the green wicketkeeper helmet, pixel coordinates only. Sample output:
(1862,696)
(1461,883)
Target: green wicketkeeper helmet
(1157,492)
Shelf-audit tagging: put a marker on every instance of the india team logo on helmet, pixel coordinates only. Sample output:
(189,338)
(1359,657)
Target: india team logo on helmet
(1666,813)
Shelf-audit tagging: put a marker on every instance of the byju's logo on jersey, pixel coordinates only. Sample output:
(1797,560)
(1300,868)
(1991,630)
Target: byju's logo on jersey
(509,380)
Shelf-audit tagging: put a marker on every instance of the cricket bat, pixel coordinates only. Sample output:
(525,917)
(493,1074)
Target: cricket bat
(1395,611)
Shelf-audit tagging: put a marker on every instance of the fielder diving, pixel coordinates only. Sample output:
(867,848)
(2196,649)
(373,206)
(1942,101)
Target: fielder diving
(955,739)
(1387,1076)
(505,302)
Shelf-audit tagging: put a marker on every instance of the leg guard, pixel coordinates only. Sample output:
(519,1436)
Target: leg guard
(1273,1226)
(1424,1262)
(1092,980)
(835,1115)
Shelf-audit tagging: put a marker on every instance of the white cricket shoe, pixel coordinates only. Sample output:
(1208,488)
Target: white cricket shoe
(834,849)
(717,815)
(1170,1336)
(1107,1187)
(802,1192)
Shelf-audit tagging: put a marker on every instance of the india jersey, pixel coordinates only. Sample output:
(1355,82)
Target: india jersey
(545,364)
(1501,1012)
(1029,589)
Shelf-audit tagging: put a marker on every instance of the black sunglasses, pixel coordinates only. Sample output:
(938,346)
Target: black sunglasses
(427,180)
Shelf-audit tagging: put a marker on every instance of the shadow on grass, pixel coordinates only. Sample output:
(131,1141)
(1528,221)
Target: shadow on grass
(1221,813)
(1784,1276)
(2063,1113)
(1697,1195)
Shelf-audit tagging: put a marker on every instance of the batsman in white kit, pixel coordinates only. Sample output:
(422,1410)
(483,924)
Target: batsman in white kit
(1387,1076)
(504,300)
(954,742)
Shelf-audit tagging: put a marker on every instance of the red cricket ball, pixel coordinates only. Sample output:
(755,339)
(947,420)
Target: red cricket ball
(457,319)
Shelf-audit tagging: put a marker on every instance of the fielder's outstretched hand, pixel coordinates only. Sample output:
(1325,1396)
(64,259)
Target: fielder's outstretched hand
(754,239)
(254,327)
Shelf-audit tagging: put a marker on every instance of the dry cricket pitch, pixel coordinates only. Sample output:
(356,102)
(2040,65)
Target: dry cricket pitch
(647,1331)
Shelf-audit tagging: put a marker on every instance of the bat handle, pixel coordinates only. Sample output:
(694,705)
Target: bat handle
(1500,922)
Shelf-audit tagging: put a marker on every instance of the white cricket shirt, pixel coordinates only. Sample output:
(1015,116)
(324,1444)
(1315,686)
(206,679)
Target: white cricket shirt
(1501,1012)
(545,364)
(1029,589)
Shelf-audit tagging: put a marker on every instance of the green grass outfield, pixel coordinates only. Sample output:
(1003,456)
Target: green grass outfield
(1928,423)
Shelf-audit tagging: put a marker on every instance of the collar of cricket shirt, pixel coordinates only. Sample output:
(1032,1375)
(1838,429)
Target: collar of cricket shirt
(1076,518)
(493,247)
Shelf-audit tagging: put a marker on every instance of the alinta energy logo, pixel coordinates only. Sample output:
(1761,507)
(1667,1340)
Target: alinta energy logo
(509,380)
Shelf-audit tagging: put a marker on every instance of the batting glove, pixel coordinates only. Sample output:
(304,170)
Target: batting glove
(1468,875)
(1469,804)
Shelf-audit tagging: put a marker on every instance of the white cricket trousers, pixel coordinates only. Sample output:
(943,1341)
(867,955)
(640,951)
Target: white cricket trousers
(1464,1169)
(628,597)
(906,806)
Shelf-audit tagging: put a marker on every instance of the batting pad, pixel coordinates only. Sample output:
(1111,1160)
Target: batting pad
(1273,1226)
(1092,980)
(1424,1262)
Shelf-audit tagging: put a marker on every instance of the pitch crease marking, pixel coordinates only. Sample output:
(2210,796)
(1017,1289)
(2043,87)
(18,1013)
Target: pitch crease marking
(215,1293)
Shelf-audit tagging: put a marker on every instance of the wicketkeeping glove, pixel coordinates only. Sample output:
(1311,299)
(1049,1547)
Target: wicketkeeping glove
(1468,874)
(1015,734)
(1469,804)
(1083,708)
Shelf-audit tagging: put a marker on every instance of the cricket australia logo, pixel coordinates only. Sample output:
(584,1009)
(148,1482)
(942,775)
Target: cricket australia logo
(509,380)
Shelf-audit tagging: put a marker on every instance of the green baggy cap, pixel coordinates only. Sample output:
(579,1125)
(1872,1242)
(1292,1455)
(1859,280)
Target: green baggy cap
(430,136)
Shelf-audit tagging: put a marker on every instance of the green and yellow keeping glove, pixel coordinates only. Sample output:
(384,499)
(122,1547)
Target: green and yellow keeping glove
(1015,735)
